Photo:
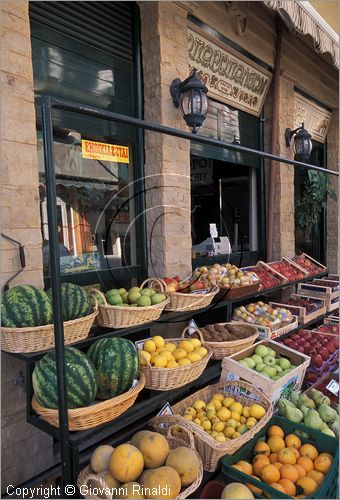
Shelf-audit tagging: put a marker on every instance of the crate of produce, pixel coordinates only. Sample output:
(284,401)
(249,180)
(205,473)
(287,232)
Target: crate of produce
(269,278)
(262,374)
(327,293)
(323,449)
(30,328)
(289,269)
(121,472)
(233,282)
(328,385)
(310,265)
(333,277)
(123,309)
(226,338)
(219,408)
(175,363)
(329,326)
(306,308)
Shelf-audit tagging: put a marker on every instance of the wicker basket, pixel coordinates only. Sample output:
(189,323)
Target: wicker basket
(166,379)
(236,292)
(89,479)
(223,349)
(41,338)
(181,302)
(124,317)
(209,450)
(96,414)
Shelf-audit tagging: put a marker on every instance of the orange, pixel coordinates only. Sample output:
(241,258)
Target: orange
(306,463)
(273,457)
(301,471)
(278,465)
(295,451)
(316,475)
(275,430)
(327,455)
(288,471)
(275,444)
(287,456)
(293,441)
(261,457)
(269,474)
(289,486)
(322,464)
(308,450)
(258,466)
(246,466)
(262,448)
(238,467)
(254,488)
(308,485)
(278,486)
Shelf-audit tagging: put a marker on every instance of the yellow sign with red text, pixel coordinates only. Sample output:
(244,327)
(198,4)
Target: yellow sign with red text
(103,151)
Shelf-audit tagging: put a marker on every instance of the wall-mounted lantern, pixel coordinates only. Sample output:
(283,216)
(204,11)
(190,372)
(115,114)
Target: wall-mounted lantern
(302,142)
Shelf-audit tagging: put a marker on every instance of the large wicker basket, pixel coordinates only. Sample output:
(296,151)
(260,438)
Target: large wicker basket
(181,302)
(223,349)
(41,338)
(96,414)
(210,450)
(165,379)
(88,479)
(124,317)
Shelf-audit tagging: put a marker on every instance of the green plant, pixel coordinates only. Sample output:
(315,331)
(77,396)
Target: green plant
(313,199)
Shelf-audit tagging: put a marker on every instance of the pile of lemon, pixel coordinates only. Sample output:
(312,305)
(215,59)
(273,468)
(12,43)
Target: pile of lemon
(162,354)
(223,417)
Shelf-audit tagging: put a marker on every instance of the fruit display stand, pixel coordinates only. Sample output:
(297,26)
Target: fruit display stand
(289,269)
(311,265)
(269,277)
(323,443)
(300,311)
(329,293)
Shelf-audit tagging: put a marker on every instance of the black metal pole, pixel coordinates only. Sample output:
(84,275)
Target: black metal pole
(66,477)
(137,122)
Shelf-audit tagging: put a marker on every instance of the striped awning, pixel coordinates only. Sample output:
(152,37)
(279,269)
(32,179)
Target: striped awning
(301,17)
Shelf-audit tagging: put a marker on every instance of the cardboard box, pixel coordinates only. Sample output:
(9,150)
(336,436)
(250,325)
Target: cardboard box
(273,389)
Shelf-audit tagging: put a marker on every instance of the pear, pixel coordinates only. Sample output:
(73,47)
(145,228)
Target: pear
(313,420)
(334,426)
(282,405)
(306,401)
(304,410)
(327,413)
(294,398)
(294,414)
(302,434)
(328,431)
(319,398)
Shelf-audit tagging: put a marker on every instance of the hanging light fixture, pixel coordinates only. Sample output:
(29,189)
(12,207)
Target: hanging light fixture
(191,96)
(302,142)
(236,156)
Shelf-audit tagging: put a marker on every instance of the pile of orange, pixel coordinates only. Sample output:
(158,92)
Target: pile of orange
(287,465)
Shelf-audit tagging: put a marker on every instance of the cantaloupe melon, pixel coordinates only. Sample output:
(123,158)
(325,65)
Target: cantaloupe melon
(130,490)
(137,437)
(154,448)
(111,482)
(237,491)
(100,458)
(126,463)
(163,482)
(186,463)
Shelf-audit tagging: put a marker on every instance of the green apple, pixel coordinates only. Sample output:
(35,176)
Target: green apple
(276,377)
(285,372)
(143,301)
(271,352)
(261,350)
(122,291)
(243,363)
(256,358)
(134,289)
(269,370)
(251,362)
(259,367)
(278,368)
(269,360)
(115,299)
(133,295)
(157,298)
(284,363)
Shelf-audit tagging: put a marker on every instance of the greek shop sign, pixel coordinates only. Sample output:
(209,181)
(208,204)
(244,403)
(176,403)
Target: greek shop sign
(229,78)
(104,151)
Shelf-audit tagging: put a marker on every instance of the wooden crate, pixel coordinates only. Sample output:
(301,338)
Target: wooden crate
(321,292)
(308,257)
(273,389)
(301,312)
(267,333)
(291,263)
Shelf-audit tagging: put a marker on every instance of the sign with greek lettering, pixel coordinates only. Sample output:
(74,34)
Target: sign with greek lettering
(104,151)
(315,118)
(229,77)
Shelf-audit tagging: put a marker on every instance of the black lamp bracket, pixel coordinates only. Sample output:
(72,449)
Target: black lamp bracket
(175,91)
(289,134)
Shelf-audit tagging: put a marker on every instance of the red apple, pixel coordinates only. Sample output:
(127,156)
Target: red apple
(311,377)
(295,336)
(300,349)
(316,360)
(324,353)
(307,346)
(294,346)
(310,351)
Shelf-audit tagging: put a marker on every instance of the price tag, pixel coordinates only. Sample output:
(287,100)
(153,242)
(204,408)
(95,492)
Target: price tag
(139,345)
(166,410)
(192,327)
(213,230)
(200,292)
(333,387)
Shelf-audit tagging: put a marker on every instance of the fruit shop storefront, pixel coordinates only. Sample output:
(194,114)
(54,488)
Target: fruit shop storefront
(114,229)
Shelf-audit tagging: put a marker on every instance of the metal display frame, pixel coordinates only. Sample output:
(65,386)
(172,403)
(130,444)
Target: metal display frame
(69,445)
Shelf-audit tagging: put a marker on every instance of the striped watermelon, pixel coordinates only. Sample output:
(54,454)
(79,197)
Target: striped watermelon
(75,301)
(81,379)
(25,306)
(117,363)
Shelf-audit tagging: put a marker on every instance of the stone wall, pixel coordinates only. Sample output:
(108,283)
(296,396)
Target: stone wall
(333,205)
(25,451)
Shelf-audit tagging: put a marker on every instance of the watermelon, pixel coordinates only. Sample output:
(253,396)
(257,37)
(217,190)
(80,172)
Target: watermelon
(117,363)
(81,379)
(74,301)
(26,306)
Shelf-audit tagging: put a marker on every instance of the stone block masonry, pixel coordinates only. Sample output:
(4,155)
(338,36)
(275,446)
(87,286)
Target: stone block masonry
(25,450)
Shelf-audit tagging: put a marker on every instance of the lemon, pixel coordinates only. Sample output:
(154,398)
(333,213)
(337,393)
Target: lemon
(224,414)
(191,411)
(179,354)
(217,404)
(251,421)
(184,362)
(219,427)
(246,411)
(186,345)
(231,423)
(213,434)
(210,406)
(257,411)
(143,356)
(214,420)
(158,341)
(197,421)
(195,342)
(218,396)
(228,402)
(201,414)
(210,413)
(206,424)
(236,435)
(236,416)
(236,407)
(202,351)
(199,404)
(229,431)
(167,354)
(220,438)
(243,420)
(188,416)
(194,356)
(170,347)
(242,429)
(149,346)
(159,361)
(172,364)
